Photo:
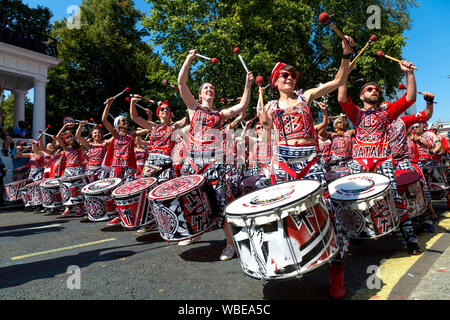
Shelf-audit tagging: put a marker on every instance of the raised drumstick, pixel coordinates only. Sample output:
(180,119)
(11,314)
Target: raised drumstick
(372,38)
(401,86)
(166,83)
(324,19)
(89,123)
(213,60)
(382,54)
(120,93)
(260,81)
(236,51)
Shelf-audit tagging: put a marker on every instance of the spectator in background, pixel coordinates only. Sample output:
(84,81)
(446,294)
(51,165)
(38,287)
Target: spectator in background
(20,131)
(20,161)
(2,186)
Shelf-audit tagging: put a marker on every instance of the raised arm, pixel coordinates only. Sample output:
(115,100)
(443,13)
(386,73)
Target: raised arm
(239,108)
(324,123)
(59,136)
(185,92)
(315,93)
(82,140)
(146,124)
(105,120)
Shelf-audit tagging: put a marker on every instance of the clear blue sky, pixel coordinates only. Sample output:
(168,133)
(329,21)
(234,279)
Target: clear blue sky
(428,46)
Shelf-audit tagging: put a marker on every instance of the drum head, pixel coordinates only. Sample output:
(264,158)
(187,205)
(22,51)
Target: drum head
(406,177)
(176,187)
(134,187)
(337,173)
(101,186)
(358,186)
(73,178)
(272,197)
(50,183)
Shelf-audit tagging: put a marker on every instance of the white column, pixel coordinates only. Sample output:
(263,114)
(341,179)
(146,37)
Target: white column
(39,106)
(19,105)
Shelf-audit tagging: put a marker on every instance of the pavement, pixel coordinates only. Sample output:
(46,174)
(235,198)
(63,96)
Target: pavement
(49,257)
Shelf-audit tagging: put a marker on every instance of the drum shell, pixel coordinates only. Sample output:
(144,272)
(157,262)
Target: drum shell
(415,199)
(437,180)
(51,196)
(70,188)
(286,248)
(13,189)
(134,210)
(185,216)
(378,218)
(284,241)
(100,205)
(25,195)
(35,192)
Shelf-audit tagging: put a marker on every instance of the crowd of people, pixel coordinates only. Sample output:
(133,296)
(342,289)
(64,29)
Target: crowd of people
(285,145)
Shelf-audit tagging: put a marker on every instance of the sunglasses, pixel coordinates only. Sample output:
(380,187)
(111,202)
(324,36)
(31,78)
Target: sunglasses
(285,75)
(370,89)
(164,109)
(415,126)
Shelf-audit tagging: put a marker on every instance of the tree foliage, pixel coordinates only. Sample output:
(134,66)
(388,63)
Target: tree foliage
(268,31)
(100,58)
(20,18)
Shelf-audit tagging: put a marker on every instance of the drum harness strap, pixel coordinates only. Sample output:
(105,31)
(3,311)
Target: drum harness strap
(298,175)
(195,167)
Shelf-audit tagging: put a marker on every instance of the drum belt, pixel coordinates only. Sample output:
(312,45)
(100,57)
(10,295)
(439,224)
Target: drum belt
(371,164)
(303,172)
(195,167)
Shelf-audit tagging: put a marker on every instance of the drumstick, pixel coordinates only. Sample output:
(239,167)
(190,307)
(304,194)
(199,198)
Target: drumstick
(382,54)
(324,18)
(120,93)
(89,123)
(372,38)
(236,51)
(401,86)
(165,83)
(213,60)
(259,81)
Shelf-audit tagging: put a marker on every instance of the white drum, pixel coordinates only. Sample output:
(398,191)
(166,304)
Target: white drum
(99,202)
(282,231)
(364,206)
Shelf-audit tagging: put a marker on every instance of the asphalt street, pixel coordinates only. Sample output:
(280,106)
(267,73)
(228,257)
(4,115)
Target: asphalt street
(44,256)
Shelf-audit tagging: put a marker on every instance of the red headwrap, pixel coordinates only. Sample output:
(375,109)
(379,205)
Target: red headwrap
(275,72)
(159,107)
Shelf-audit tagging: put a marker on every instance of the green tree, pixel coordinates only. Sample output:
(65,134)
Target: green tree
(8,112)
(268,31)
(101,57)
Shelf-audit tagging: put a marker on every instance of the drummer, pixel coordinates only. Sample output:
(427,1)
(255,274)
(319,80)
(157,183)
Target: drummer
(36,161)
(96,147)
(297,157)
(399,147)
(341,144)
(119,161)
(428,145)
(161,142)
(371,150)
(260,152)
(74,161)
(205,148)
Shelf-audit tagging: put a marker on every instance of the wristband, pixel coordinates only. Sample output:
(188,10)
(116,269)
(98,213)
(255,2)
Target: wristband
(346,56)
(428,99)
